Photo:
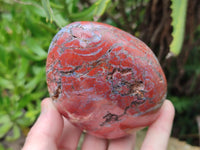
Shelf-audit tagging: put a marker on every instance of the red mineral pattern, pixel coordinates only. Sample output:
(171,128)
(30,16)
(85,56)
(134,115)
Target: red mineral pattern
(104,80)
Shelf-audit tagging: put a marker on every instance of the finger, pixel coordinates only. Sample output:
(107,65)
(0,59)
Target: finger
(158,133)
(47,129)
(70,136)
(91,142)
(126,143)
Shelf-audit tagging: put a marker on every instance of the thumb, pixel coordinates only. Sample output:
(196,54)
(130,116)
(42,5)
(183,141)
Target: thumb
(47,129)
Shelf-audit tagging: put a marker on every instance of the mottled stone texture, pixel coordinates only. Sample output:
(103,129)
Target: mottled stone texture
(104,80)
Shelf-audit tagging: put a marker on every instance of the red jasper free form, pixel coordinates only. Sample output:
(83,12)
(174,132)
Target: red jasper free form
(104,80)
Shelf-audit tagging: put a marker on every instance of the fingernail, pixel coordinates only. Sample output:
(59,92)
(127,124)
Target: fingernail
(47,105)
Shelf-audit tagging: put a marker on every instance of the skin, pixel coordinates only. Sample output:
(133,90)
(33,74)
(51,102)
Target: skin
(53,132)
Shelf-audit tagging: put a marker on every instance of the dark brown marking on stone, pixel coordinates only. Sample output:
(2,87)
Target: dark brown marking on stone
(71,71)
(56,93)
(111,118)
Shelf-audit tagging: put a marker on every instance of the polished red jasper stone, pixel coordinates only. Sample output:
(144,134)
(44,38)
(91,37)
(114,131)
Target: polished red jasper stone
(104,80)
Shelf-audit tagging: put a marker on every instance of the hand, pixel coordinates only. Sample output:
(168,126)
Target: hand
(52,132)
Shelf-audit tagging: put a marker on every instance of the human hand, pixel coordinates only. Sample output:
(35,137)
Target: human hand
(53,132)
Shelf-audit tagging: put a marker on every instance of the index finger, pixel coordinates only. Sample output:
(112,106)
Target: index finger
(47,129)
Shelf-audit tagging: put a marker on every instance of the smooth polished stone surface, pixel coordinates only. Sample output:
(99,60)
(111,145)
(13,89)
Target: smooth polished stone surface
(104,80)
